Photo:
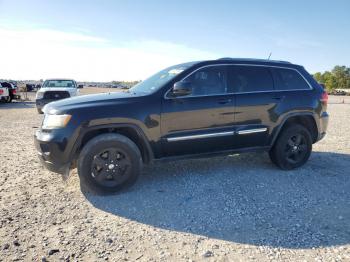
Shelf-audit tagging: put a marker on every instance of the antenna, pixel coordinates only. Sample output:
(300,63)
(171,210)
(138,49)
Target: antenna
(269,56)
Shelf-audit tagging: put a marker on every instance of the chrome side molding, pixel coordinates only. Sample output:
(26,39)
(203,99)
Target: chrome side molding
(252,131)
(228,133)
(181,138)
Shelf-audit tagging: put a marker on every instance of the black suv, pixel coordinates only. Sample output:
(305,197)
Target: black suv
(188,110)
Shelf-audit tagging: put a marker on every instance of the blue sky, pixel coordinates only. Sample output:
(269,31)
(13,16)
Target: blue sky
(109,40)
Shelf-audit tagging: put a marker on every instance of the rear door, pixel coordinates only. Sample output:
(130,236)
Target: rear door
(255,103)
(203,121)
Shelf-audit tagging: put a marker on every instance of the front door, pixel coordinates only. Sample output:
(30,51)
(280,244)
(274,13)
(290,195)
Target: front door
(202,121)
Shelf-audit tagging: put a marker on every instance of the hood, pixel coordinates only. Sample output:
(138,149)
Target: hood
(94,100)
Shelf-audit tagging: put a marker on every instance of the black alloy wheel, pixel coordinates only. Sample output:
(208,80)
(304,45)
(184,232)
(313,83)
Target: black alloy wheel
(109,163)
(292,148)
(110,167)
(296,148)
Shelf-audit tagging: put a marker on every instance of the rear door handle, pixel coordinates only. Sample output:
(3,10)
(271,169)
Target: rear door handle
(278,97)
(225,101)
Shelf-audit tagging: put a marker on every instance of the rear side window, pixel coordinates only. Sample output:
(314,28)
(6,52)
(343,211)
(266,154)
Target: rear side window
(288,79)
(243,79)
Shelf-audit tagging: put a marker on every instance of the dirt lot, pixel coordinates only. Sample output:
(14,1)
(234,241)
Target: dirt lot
(223,209)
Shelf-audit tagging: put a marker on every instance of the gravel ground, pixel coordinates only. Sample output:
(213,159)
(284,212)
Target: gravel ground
(234,208)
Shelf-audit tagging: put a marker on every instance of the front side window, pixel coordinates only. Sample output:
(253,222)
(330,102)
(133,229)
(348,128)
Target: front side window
(208,81)
(242,79)
(158,80)
(59,83)
(288,79)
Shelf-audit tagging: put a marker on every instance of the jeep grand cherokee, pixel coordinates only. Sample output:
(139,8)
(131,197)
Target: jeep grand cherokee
(187,110)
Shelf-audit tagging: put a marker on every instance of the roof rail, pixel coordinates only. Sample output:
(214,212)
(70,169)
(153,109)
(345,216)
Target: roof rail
(254,59)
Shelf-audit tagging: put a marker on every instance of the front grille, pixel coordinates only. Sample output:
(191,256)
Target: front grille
(56,94)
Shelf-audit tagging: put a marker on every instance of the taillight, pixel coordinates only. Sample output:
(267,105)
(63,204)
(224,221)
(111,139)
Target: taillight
(1,91)
(14,91)
(324,97)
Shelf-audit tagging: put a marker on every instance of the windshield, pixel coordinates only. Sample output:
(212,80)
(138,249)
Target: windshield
(59,83)
(156,81)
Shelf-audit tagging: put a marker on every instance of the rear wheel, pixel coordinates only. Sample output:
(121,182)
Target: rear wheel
(109,163)
(292,148)
(9,99)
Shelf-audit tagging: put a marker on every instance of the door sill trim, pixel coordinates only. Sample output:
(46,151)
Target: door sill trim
(213,154)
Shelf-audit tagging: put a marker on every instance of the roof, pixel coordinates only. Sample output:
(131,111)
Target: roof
(63,79)
(253,60)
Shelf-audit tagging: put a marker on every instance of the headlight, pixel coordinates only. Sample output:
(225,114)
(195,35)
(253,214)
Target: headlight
(55,121)
(39,95)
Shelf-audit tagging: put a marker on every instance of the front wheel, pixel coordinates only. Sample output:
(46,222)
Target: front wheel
(292,148)
(109,163)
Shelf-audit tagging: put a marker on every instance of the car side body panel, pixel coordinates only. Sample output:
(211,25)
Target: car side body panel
(182,127)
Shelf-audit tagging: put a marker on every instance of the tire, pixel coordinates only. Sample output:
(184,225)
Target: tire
(292,148)
(40,111)
(9,99)
(109,163)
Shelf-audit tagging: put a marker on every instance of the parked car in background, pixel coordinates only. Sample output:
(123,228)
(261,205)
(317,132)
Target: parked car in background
(30,87)
(196,109)
(4,93)
(13,91)
(55,89)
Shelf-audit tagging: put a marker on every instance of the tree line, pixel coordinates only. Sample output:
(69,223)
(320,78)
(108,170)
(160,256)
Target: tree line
(338,78)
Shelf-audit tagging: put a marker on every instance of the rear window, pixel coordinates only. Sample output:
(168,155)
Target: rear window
(59,83)
(288,79)
(243,79)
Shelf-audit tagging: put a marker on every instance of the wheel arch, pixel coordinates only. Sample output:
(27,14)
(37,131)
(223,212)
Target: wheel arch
(306,119)
(131,131)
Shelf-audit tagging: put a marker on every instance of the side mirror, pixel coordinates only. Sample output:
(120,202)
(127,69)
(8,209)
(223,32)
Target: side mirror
(182,89)
(80,86)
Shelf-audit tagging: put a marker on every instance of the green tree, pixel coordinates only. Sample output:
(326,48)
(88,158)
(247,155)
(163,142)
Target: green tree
(319,77)
(342,75)
(339,77)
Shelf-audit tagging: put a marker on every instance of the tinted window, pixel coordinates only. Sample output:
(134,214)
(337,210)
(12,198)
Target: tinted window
(156,81)
(59,83)
(208,81)
(287,79)
(249,79)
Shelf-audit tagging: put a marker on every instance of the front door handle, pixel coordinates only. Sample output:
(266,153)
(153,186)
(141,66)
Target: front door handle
(225,101)
(278,97)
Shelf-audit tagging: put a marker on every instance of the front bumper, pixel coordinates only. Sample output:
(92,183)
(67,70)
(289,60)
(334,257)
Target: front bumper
(49,149)
(40,103)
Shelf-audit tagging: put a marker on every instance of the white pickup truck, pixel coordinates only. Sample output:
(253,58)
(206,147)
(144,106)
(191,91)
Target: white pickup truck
(55,89)
(4,93)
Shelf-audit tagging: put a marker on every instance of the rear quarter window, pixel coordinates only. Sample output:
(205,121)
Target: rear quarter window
(242,79)
(289,79)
